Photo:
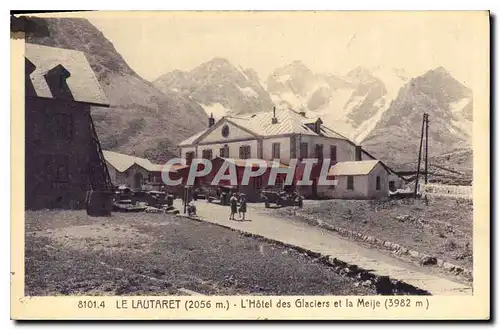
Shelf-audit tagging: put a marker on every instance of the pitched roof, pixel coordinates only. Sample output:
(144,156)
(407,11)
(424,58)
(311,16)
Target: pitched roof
(328,132)
(261,123)
(122,162)
(362,167)
(289,122)
(254,161)
(192,139)
(82,81)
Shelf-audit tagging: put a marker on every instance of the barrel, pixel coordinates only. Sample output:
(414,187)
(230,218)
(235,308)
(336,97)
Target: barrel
(99,203)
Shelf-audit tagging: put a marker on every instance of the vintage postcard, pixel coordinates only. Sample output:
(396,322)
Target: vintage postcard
(251,165)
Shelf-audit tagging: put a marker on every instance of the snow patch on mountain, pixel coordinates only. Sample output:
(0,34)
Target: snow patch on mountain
(283,78)
(248,91)
(458,106)
(460,121)
(217,109)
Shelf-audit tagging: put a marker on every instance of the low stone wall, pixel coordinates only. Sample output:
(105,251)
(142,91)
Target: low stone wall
(395,248)
(450,191)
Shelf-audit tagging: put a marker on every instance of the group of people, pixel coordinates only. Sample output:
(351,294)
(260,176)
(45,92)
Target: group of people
(238,204)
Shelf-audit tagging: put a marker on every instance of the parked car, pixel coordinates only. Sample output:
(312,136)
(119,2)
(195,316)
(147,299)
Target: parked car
(156,198)
(221,194)
(281,198)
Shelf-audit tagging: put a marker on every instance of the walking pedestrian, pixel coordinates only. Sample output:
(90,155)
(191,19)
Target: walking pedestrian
(233,203)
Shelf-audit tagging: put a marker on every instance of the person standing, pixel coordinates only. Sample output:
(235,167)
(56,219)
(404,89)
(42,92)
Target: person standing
(243,207)
(233,203)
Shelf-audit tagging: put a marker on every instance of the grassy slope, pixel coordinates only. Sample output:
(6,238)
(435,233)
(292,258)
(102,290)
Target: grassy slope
(64,250)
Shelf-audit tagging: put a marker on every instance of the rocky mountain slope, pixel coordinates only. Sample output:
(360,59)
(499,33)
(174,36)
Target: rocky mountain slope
(142,120)
(219,87)
(381,108)
(395,137)
(350,103)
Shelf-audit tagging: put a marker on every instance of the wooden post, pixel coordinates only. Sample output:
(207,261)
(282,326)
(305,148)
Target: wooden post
(185,198)
(419,157)
(426,146)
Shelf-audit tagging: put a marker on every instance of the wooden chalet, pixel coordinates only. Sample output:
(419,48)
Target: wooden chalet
(64,160)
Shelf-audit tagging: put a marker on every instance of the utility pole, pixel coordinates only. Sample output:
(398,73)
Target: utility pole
(419,156)
(426,145)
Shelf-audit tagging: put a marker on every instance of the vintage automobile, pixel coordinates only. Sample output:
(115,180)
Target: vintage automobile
(156,198)
(221,194)
(281,198)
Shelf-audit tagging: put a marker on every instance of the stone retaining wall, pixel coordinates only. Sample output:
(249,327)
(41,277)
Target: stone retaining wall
(450,191)
(395,248)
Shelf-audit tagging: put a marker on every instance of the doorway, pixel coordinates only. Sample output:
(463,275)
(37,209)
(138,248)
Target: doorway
(138,181)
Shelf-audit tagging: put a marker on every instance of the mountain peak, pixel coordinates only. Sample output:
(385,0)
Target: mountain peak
(441,69)
(361,74)
(219,61)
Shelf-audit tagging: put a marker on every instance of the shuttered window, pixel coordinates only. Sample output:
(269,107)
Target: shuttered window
(224,152)
(378,183)
(206,154)
(276,150)
(304,152)
(189,157)
(333,154)
(319,151)
(350,182)
(245,152)
(293,147)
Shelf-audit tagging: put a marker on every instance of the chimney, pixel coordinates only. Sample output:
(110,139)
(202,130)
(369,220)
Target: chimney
(56,79)
(211,120)
(317,126)
(358,153)
(274,119)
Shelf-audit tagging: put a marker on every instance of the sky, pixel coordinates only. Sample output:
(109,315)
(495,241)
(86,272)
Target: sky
(154,43)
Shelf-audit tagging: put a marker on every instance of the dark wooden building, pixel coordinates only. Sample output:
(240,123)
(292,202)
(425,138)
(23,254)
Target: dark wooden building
(63,155)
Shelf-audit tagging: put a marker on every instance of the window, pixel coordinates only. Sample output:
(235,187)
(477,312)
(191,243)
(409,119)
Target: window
(60,126)
(293,146)
(378,183)
(206,154)
(333,154)
(225,131)
(244,152)
(350,182)
(60,168)
(224,152)
(392,185)
(304,152)
(189,157)
(276,150)
(319,151)
(358,153)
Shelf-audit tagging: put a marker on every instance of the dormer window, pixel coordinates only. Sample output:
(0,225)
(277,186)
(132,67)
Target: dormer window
(56,80)
(315,125)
